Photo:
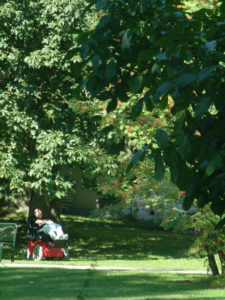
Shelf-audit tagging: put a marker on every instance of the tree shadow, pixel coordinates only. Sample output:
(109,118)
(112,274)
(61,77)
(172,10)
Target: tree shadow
(93,240)
(45,283)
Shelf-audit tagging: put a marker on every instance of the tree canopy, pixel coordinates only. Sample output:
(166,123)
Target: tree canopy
(155,51)
(90,83)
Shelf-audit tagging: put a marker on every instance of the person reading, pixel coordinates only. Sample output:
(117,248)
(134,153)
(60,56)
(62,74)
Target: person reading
(48,226)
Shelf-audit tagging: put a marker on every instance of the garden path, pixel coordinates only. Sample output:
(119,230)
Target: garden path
(92,267)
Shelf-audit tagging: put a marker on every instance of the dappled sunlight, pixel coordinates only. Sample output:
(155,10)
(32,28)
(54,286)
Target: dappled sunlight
(119,244)
(68,284)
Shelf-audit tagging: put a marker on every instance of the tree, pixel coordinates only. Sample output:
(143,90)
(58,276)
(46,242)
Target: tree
(154,50)
(41,139)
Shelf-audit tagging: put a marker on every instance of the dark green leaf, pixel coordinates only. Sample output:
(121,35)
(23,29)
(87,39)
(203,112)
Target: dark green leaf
(136,84)
(163,102)
(84,51)
(104,21)
(205,73)
(185,79)
(214,164)
(188,202)
(148,101)
(126,40)
(145,55)
(184,147)
(161,138)
(112,105)
(110,70)
(220,224)
(162,90)
(137,109)
(210,46)
(138,156)
(161,56)
(159,166)
(202,107)
(95,61)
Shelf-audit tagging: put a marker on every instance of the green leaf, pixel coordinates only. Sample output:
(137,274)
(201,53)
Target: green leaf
(186,176)
(163,102)
(155,68)
(145,55)
(84,51)
(220,224)
(139,155)
(96,61)
(162,90)
(184,147)
(137,109)
(110,70)
(112,105)
(214,164)
(185,79)
(173,162)
(126,40)
(205,73)
(136,84)
(104,21)
(188,202)
(161,138)
(148,101)
(202,107)
(159,166)
(210,45)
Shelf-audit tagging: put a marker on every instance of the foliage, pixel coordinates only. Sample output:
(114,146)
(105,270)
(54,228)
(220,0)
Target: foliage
(42,136)
(155,51)
(203,222)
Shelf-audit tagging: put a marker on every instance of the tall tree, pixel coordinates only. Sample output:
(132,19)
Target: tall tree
(40,135)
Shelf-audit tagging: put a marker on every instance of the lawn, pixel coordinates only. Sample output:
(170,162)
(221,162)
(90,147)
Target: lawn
(113,244)
(26,284)
(121,244)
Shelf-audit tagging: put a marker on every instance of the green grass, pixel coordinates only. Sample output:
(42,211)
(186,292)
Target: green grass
(120,244)
(24,284)
(113,244)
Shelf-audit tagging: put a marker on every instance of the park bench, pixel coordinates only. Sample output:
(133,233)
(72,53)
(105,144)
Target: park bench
(8,232)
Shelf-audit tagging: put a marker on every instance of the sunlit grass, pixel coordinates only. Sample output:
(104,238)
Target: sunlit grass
(36,283)
(114,243)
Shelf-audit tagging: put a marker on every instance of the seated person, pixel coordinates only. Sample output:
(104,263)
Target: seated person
(47,226)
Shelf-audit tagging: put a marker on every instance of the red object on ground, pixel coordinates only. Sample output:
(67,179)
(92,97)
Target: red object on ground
(47,250)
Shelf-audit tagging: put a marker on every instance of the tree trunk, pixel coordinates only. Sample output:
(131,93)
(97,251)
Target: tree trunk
(222,260)
(212,264)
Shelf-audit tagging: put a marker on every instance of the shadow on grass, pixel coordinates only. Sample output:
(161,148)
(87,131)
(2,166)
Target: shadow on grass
(108,242)
(22,283)
(90,240)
